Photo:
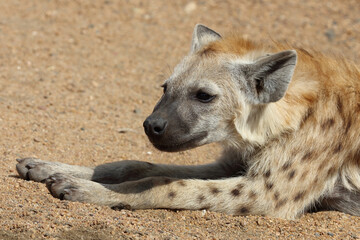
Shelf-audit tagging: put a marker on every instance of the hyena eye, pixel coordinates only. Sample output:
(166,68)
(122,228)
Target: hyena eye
(164,86)
(204,97)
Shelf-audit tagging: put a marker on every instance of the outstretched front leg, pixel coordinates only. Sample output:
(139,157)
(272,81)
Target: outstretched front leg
(128,170)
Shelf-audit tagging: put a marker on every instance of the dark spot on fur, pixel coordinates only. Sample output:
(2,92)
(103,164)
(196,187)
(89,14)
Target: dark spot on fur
(172,194)
(243,210)
(299,196)
(338,148)
(252,194)
(214,190)
(339,105)
(276,196)
(357,155)
(181,183)
(348,125)
(235,192)
(307,115)
(316,181)
(280,203)
(252,174)
(240,186)
(303,175)
(331,171)
(295,151)
(307,155)
(267,174)
(322,165)
(201,198)
(291,175)
(286,166)
(269,185)
(327,124)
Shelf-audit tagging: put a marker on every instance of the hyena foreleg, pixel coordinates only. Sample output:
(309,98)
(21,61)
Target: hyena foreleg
(118,172)
(241,195)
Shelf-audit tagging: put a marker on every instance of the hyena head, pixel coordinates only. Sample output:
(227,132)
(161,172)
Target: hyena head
(213,93)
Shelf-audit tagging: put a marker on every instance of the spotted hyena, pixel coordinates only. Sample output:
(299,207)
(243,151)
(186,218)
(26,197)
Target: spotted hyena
(288,120)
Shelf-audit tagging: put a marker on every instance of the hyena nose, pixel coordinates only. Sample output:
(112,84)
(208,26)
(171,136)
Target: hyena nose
(155,126)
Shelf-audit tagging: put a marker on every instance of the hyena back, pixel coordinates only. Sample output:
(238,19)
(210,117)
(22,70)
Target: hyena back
(288,120)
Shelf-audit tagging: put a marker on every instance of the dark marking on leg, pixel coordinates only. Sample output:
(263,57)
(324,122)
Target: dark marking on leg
(201,198)
(240,186)
(235,192)
(280,203)
(252,195)
(171,194)
(286,166)
(299,196)
(181,183)
(243,210)
(269,185)
(276,196)
(327,124)
(267,174)
(307,155)
(303,175)
(337,148)
(214,190)
(291,175)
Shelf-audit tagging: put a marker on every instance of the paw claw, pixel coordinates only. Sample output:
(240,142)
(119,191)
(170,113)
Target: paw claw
(30,165)
(67,191)
(49,181)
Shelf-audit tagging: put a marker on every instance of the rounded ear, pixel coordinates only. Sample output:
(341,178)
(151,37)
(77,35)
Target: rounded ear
(267,79)
(202,36)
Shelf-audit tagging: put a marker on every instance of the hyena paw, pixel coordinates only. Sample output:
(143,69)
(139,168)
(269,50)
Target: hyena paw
(70,188)
(36,169)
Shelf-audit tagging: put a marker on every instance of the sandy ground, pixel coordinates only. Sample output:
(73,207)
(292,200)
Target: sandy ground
(74,74)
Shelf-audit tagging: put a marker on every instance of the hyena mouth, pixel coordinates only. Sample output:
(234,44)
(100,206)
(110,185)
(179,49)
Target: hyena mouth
(183,145)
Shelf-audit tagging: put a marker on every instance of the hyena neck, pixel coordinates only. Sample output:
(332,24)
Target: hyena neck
(257,125)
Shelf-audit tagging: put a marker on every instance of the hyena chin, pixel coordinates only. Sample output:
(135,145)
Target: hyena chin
(288,119)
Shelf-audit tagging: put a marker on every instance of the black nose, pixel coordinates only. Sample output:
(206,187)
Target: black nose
(155,126)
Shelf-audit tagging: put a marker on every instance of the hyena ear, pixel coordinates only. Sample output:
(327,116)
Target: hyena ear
(201,36)
(267,79)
